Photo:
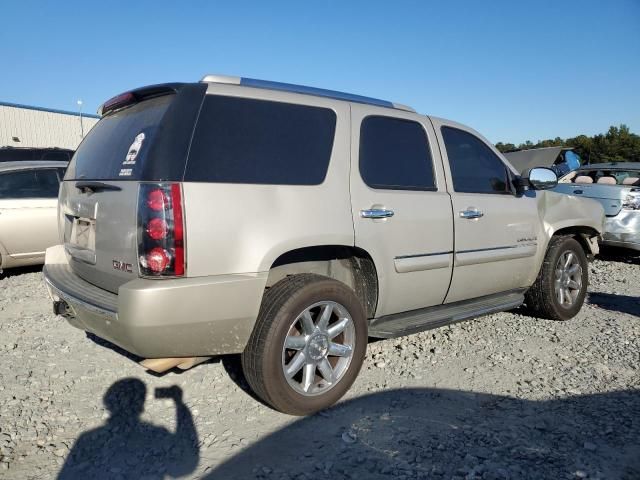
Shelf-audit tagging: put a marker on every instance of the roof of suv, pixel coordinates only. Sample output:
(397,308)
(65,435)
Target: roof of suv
(290,87)
(25,164)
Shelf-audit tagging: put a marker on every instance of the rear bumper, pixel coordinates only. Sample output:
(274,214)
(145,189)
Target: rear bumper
(623,230)
(161,318)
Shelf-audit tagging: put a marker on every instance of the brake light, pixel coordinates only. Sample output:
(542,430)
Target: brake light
(161,230)
(178,228)
(158,259)
(157,200)
(116,102)
(157,228)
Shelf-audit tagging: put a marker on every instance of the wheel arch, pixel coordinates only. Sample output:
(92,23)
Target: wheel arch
(350,265)
(586,236)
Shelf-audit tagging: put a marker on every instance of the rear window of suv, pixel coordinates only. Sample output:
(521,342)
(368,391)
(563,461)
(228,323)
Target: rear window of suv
(117,146)
(243,140)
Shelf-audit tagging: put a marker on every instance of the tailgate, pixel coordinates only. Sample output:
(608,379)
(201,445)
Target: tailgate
(99,230)
(144,140)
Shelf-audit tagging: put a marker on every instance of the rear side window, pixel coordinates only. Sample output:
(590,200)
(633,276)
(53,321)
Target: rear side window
(242,140)
(117,146)
(394,154)
(29,184)
(474,167)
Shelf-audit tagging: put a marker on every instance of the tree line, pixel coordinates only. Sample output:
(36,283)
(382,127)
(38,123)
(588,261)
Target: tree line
(617,145)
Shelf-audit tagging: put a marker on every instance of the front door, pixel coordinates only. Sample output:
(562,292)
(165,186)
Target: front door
(496,231)
(401,209)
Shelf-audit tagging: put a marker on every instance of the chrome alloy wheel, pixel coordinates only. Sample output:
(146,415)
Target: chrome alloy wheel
(318,348)
(568,281)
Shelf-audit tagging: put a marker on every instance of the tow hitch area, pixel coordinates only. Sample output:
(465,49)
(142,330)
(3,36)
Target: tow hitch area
(60,307)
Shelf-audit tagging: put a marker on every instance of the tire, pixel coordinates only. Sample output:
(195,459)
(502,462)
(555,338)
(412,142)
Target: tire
(544,298)
(283,318)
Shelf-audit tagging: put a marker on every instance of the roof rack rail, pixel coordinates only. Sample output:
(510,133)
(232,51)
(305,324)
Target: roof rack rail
(289,87)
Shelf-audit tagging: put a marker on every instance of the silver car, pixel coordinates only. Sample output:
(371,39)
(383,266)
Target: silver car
(617,187)
(28,205)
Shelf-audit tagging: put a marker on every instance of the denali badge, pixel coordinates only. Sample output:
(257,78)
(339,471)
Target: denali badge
(122,266)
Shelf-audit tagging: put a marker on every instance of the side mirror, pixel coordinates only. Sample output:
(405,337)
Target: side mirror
(542,178)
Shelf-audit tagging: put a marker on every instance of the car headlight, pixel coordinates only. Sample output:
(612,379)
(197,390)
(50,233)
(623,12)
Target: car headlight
(632,202)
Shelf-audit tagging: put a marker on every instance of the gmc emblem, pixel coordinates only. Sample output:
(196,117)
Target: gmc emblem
(122,266)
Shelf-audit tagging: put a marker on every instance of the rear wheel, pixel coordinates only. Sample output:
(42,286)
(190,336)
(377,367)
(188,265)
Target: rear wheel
(308,344)
(561,286)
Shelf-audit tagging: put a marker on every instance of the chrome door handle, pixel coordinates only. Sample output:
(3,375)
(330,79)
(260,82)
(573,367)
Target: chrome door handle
(471,213)
(376,213)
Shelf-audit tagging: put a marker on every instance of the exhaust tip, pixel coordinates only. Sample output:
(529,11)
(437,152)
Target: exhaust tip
(161,365)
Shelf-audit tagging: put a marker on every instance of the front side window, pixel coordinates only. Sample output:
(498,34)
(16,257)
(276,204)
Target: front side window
(29,184)
(474,167)
(245,140)
(394,154)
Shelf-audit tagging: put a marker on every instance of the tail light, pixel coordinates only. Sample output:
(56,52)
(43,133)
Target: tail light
(632,201)
(160,230)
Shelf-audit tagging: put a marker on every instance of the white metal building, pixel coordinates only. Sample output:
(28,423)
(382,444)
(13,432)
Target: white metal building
(27,126)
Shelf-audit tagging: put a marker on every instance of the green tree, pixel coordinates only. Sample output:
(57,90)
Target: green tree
(619,144)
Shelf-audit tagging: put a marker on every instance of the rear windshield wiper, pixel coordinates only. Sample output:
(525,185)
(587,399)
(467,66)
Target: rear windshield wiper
(93,186)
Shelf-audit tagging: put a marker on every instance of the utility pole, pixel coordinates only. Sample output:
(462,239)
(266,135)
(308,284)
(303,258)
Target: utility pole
(79,102)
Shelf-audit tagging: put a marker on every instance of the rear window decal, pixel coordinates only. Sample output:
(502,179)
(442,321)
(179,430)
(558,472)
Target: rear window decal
(134,149)
(125,172)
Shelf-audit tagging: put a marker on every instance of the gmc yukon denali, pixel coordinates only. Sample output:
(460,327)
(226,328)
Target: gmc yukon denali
(291,223)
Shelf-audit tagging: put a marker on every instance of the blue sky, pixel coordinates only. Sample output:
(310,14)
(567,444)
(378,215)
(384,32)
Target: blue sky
(514,70)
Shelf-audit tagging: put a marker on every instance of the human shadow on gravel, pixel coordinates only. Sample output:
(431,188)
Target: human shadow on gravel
(432,433)
(129,448)
(616,303)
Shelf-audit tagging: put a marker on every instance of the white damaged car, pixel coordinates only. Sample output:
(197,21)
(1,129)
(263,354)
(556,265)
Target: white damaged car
(617,187)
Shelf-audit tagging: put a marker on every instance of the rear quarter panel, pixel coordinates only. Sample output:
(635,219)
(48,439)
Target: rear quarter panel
(243,228)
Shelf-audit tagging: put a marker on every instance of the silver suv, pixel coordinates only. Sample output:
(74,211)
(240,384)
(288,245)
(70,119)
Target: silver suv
(291,223)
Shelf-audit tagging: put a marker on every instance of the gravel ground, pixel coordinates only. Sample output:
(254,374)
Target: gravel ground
(506,396)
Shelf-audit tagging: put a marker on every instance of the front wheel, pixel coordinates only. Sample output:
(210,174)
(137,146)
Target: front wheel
(561,286)
(308,344)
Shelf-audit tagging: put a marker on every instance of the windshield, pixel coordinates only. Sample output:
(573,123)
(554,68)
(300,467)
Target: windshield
(117,147)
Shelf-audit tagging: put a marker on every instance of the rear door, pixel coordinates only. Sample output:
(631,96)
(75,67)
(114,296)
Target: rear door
(401,209)
(146,141)
(496,231)
(28,200)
